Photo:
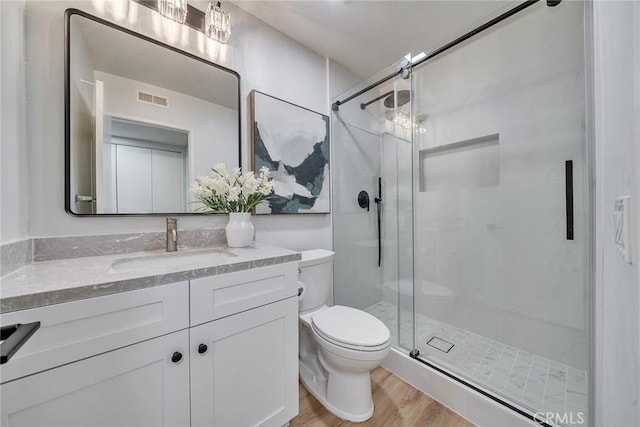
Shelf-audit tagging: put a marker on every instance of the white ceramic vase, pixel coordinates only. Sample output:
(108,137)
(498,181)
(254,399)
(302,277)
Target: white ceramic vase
(239,230)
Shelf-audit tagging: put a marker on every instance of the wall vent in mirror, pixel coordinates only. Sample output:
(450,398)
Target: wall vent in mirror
(153,119)
(151,99)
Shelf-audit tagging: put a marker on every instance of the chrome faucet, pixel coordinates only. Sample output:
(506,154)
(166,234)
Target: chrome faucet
(172,234)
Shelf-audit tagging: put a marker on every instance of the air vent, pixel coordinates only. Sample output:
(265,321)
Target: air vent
(151,99)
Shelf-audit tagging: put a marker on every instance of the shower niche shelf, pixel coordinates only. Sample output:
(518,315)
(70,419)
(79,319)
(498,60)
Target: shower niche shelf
(467,164)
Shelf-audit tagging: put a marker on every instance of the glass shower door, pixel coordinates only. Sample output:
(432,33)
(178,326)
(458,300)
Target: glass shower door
(372,209)
(501,229)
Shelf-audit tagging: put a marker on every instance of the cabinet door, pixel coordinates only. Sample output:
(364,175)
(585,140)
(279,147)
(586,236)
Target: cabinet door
(138,385)
(248,376)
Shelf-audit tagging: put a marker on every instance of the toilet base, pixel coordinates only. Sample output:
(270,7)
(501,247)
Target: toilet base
(319,384)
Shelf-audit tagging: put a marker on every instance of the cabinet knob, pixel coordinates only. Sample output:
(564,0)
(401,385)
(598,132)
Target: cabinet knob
(176,357)
(202,348)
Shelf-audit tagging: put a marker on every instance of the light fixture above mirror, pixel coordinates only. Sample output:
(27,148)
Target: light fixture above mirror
(217,23)
(214,22)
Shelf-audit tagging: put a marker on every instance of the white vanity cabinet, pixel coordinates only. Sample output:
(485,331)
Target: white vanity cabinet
(219,351)
(244,366)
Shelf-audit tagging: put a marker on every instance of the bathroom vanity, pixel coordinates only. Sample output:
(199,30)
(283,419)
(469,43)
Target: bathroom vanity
(201,338)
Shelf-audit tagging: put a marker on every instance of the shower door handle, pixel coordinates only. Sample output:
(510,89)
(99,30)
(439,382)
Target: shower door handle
(378,201)
(568,175)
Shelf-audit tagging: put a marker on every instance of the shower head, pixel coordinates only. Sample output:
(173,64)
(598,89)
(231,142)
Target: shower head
(397,99)
(392,99)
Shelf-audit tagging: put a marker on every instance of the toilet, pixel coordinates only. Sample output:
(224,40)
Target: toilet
(339,346)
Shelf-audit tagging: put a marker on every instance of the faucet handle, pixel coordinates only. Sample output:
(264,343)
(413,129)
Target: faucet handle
(171,220)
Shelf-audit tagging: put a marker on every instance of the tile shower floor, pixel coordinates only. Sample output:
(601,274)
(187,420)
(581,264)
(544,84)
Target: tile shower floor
(528,379)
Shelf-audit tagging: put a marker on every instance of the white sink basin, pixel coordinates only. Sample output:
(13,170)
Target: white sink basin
(170,261)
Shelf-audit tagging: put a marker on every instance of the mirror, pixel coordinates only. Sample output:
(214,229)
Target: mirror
(143,120)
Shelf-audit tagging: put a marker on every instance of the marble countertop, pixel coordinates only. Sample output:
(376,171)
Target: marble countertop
(52,282)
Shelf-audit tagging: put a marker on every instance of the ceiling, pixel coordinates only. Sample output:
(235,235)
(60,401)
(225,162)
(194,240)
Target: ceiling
(367,35)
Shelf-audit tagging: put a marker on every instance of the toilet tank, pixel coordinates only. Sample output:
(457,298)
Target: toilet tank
(316,272)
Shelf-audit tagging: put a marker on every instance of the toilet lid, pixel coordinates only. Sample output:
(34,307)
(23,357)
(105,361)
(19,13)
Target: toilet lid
(351,326)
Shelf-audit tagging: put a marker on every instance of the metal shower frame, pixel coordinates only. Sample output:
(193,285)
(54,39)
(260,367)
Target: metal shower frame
(406,65)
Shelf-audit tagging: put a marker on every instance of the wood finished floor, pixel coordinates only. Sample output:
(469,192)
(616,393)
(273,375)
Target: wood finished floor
(397,404)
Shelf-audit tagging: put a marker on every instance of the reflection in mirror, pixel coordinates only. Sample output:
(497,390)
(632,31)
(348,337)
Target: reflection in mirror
(143,121)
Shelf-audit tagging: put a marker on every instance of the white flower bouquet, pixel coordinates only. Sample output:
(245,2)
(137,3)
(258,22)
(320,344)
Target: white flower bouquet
(225,191)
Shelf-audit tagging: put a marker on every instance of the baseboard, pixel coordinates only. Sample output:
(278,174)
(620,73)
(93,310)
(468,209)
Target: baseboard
(466,402)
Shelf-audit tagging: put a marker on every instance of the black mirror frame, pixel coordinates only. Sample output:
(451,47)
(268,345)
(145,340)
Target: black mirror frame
(67,107)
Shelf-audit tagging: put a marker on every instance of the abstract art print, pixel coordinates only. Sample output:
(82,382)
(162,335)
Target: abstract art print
(293,143)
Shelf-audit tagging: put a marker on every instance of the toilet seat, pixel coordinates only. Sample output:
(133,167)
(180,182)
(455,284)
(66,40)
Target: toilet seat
(351,328)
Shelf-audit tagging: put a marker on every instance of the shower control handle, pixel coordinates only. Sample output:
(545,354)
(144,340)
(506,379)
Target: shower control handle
(363,200)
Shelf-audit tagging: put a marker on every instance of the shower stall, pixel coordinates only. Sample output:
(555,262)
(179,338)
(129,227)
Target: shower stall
(461,218)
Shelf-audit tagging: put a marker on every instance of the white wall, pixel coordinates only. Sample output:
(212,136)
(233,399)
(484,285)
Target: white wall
(266,60)
(617,136)
(14,176)
(356,166)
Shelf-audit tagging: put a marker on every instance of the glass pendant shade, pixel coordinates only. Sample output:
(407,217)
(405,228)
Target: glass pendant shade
(173,9)
(217,23)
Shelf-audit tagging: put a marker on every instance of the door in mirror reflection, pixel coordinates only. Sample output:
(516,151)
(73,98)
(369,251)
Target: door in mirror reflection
(145,168)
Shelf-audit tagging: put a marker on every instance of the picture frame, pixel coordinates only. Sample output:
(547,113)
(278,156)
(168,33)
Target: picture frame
(293,142)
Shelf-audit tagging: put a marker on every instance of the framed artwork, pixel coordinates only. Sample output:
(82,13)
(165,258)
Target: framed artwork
(293,143)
